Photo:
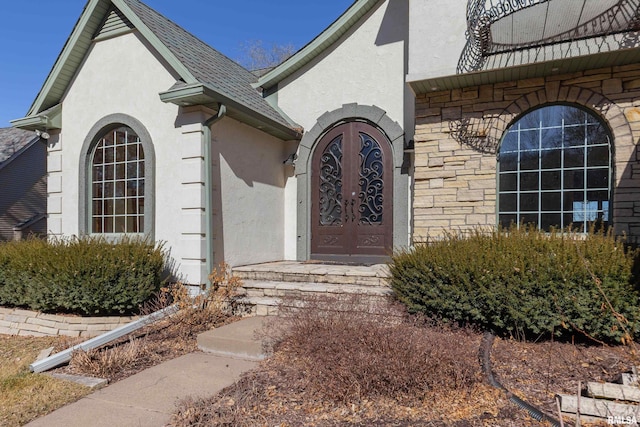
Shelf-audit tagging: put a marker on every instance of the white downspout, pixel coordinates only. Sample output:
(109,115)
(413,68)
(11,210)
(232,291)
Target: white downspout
(65,356)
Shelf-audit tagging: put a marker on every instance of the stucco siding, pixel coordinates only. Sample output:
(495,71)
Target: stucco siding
(249,182)
(367,66)
(119,76)
(437,34)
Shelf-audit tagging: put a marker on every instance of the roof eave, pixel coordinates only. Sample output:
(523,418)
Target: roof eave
(422,84)
(47,120)
(78,44)
(314,48)
(70,46)
(201,94)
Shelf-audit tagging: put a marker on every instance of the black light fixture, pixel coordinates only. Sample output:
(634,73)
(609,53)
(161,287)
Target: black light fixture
(410,146)
(291,160)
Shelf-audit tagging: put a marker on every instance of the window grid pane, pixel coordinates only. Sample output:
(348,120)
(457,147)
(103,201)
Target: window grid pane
(563,171)
(118,183)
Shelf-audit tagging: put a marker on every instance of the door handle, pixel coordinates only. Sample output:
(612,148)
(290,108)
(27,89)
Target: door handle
(353,215)
(346,212)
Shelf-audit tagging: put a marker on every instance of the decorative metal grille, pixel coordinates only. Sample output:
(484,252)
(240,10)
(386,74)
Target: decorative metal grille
(118,183)
(370,181)
(331,183)
(510,26)
(554,170)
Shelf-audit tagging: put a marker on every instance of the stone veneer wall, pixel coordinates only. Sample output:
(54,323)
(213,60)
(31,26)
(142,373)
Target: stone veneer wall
(15,321)
(458,133)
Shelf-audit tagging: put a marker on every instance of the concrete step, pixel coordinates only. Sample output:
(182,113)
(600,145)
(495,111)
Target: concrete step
(263,298)
(272,288)
(375,275)
(237,340)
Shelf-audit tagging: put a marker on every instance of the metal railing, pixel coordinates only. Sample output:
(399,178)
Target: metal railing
(555,21)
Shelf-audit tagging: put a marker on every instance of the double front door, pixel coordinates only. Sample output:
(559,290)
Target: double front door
(351,201)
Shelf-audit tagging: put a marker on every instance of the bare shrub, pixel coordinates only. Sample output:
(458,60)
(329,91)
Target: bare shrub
(352,360)
(200,312)
(105,363)
(350,349)
(168,338)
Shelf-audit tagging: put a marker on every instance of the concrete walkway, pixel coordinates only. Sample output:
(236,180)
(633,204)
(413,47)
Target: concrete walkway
(148,398)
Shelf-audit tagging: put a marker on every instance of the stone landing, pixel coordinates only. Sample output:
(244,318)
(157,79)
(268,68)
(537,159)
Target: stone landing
(265,284)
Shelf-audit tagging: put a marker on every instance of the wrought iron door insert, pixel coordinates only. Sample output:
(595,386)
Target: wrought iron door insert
(351,195)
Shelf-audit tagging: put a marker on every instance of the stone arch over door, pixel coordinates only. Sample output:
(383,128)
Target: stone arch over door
(393,132)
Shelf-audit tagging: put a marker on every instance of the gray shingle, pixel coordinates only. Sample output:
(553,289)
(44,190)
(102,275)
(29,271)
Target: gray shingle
(206,64)
(13,140)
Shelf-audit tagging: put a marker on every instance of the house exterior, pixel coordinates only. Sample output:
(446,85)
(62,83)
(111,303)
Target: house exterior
(23,199)
(316,90)
(385,130)
(534,117)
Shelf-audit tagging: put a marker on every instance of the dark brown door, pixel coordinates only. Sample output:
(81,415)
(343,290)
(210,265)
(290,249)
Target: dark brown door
(351,206)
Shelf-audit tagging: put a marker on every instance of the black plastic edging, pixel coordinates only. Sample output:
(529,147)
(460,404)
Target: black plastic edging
(485,362)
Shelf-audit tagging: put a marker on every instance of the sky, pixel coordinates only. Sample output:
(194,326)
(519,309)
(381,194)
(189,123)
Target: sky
(33,32)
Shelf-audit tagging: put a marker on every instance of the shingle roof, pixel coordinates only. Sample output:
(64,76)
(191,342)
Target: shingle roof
(206,64)
(12,140)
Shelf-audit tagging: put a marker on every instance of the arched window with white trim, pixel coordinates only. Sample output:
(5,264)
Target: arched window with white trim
(554,170)
(118,183)
(117,179)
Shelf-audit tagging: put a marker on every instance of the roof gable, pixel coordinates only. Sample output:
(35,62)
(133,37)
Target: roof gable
(195,62)
(114,24)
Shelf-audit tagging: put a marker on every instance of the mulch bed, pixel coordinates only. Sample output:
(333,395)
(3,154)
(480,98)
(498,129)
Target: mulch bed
(539,371)
(535,372)
(266,397)
(271,396)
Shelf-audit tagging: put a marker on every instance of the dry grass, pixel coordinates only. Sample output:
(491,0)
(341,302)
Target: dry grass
(345,362)
(26,396)
(106,364)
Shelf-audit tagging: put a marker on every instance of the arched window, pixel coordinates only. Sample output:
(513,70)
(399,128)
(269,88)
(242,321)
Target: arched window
(118,183)
(554,170)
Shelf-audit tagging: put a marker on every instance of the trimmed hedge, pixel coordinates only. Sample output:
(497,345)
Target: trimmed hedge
(524,283)
(88,276)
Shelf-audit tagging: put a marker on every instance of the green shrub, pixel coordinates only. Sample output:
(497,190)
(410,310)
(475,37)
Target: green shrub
(524,283)
(88,276)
